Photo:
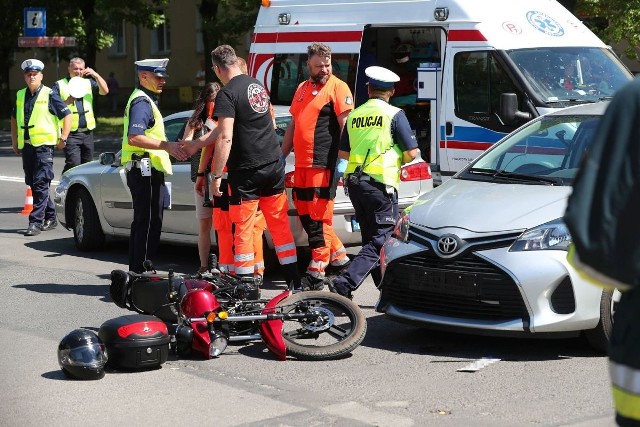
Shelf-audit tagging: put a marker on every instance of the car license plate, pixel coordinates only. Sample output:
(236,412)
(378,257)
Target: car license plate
(444,282)
(355,226)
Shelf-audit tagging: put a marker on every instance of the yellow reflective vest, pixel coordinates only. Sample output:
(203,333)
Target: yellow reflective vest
(372,145)
(87,104)
(43,126)
(160,159)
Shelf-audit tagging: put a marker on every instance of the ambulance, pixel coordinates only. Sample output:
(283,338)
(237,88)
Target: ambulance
(471,71)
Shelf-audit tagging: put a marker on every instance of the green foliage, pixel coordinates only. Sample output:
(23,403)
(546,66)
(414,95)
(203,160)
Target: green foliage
(614,21)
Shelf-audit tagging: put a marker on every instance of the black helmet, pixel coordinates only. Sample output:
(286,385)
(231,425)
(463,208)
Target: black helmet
(82,355)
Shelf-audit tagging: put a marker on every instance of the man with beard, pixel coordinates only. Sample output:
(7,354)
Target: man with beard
(319,108)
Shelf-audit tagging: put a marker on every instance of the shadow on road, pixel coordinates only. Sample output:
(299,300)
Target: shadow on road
(385,334)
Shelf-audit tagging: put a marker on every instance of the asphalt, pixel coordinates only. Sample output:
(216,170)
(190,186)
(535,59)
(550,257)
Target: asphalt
(103,143)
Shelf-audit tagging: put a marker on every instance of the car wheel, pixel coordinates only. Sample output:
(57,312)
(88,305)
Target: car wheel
(598,337)
(87,232)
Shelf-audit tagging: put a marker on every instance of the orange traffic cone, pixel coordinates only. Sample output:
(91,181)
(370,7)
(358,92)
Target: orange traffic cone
(28,202)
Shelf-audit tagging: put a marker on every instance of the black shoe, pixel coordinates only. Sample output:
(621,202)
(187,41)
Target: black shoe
(336,270)
(336,289)
(33,230)
(310,283)
(49,224)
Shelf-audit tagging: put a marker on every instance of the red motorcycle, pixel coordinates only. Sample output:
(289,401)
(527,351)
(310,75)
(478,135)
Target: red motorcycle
(207,312)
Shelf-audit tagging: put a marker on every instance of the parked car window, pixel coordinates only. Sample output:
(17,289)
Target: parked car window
(552,147)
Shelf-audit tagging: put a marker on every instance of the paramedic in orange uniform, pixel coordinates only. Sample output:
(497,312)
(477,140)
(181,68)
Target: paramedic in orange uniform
(319,108)
(246,142)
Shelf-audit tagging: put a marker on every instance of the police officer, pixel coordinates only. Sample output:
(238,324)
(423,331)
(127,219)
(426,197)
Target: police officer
(34,132)
(79,148)
(377,141)
(145,155)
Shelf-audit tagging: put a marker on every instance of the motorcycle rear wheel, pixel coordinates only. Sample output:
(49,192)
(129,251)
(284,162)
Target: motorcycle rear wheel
(336,332)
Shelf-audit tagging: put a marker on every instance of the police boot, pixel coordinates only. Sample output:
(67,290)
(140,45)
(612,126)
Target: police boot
(292,276)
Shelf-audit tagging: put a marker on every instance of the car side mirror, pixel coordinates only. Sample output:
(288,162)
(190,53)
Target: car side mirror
(509,112)
(107,159)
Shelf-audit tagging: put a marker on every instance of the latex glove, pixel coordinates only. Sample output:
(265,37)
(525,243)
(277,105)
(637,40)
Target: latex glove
(341,167)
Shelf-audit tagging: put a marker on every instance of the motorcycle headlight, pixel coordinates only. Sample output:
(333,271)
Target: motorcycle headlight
(401,230)
(552,235)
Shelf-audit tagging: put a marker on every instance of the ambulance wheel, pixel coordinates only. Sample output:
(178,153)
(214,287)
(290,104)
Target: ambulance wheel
(598,337)
(87,232)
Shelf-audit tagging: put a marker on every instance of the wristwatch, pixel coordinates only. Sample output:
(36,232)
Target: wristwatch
(199,173)
(64,140)
(217,176)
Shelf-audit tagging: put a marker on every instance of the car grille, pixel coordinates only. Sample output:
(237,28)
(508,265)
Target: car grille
(466,287)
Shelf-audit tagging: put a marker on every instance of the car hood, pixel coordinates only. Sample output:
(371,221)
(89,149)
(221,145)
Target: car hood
(489,207)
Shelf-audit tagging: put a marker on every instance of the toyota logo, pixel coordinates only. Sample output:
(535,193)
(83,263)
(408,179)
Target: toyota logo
(447,244)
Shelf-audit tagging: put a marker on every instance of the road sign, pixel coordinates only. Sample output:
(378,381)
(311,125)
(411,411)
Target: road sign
(35,22)
(46,41)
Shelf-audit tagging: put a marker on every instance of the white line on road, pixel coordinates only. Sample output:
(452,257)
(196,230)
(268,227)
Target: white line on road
(20,179)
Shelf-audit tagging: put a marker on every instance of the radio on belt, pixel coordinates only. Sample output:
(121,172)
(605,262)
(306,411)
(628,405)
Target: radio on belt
(145,166)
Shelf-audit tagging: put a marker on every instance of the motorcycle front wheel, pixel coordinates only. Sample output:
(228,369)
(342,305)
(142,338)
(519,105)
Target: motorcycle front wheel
(335,328)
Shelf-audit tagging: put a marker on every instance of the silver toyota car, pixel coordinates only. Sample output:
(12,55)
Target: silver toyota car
(486,251)
(94,201)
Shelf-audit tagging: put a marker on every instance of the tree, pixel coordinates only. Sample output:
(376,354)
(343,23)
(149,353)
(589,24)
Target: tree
(89,21)
(614,21)
(223,22)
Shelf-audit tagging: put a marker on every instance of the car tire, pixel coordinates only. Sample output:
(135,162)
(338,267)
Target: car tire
(87,232)
(598,337)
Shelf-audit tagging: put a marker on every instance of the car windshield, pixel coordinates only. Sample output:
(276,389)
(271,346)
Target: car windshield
(546,152)
(578,74)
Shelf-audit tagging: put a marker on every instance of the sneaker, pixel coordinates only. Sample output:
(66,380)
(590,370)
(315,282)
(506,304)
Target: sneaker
(336,288)
(310,283)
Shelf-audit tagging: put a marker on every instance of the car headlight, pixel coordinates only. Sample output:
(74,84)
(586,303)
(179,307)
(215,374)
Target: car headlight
(401,230)
(552,235)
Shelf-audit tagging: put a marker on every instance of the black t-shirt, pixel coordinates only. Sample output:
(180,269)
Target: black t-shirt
(255,142)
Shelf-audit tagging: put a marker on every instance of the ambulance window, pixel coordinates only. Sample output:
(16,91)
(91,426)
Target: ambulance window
(289,70)
(471,82)
(479,80)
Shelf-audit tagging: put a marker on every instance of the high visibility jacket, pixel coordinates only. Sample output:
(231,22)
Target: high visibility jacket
(43,126)
(87,105)
(159,158)
(372,144)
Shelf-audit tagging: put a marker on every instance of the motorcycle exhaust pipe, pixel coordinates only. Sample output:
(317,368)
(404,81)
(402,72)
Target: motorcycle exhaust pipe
(254,337)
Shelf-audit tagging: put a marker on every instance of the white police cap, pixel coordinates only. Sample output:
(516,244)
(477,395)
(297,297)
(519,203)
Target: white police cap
(381,77)
(156,66)
(32,65)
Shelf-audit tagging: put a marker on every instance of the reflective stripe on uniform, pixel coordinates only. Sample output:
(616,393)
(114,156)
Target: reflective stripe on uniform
(244,270)
(243,257)
(339,257)
(285,247)
(625,377)
(626,389)
(288,260)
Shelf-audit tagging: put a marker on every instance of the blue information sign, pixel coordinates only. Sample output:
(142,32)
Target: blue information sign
(35,22)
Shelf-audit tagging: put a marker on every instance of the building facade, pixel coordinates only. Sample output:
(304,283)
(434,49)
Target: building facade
(179,39)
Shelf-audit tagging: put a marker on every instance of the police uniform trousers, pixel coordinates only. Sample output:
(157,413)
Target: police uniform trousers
(376,211)
(148,195)
(79,149)
(624,359)
(37,163)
